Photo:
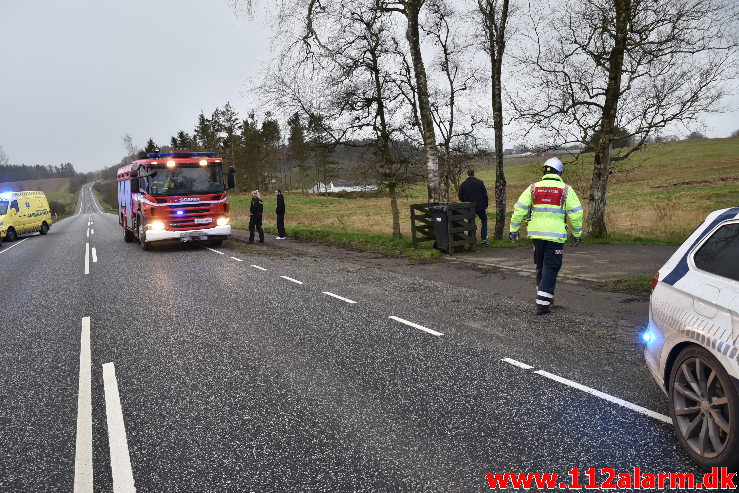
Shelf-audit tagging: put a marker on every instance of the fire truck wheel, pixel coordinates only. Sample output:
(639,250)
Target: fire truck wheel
(128,236)
(145,245)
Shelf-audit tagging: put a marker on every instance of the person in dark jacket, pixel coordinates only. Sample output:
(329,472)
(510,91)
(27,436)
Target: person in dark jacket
(473,190)
(255,216)
(280,211)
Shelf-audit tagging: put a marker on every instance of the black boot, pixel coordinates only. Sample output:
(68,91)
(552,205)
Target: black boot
(542,309)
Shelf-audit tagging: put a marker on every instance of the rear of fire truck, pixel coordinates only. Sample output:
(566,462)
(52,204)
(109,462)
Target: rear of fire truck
(174,197)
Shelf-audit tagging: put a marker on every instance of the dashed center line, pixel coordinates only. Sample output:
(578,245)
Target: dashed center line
(416,326)
(216,251)
(94,255)
(292,280)
(517,363)
(338,297)
(87,258)
(592,391)
(237,259)
(257,267)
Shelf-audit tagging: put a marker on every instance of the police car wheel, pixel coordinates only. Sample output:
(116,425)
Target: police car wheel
(11,235)
(705,409)
(44,228)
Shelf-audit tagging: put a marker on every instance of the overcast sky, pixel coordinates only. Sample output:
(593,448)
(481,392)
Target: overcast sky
(76,75)
(79,74)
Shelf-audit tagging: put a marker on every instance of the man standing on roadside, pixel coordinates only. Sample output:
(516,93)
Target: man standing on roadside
(280,211)
(473,190)
(550,201)
(256,211)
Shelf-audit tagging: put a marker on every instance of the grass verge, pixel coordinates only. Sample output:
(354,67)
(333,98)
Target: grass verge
(635,285)
(367,243)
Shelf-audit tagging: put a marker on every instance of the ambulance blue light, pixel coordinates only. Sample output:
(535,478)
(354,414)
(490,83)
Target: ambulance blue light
(179,213)
(6,195)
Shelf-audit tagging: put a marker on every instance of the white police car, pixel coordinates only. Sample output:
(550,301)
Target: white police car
(693,339)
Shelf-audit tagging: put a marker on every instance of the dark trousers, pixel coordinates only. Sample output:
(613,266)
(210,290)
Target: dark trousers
(483,215)
(281,224)
(548,260)
(255,222)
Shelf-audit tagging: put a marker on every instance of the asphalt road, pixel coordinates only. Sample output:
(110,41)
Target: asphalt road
(225,370)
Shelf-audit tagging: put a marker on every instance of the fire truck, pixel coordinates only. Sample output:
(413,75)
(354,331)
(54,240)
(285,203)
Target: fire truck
(174,197)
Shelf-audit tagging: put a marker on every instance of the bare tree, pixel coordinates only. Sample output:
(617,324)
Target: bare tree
(494,16)
(455,123)
(4,160)
(411,10)
(367,109)
(603,65)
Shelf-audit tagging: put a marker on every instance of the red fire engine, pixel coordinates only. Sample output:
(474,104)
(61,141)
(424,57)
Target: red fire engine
(177,196)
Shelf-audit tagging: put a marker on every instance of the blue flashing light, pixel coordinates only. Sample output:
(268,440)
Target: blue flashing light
(181,154)
(179,213)
(6,195)
(647,336)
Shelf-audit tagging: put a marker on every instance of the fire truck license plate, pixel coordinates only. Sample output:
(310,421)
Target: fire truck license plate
(203,220)
(192,236)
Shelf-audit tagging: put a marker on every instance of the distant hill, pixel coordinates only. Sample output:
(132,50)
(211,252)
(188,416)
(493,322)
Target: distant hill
(46,185)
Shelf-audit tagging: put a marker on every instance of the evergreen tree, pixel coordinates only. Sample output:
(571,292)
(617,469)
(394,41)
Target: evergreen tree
(270,135)
(296,146)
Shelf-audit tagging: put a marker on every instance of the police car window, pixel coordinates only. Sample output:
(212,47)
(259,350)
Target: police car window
(720,253)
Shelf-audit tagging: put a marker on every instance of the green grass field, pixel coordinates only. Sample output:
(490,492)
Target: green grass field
(658,196)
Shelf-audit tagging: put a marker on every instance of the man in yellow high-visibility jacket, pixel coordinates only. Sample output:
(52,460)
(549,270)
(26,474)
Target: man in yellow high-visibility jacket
(550,202)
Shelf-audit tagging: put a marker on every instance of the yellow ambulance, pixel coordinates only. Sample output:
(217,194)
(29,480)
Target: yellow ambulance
(23,213)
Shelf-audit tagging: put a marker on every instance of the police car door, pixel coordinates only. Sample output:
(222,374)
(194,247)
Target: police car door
(715,262)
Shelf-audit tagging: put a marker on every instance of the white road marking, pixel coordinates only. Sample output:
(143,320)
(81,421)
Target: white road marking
(88,231)
(257,267)
(87,258)
(338,297)
(120,460)
(607,397)
(416,326)
(517,363)
(292,280)
(219,253)
(92,231)
(237,259)
(94,255)
(83,446)
(6,249)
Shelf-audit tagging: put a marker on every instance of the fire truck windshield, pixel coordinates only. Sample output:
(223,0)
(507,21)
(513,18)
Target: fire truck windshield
(185,179)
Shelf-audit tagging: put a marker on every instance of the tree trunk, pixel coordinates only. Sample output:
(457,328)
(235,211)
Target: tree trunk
(424,107)
(394,207)
(500,183)
(602,167)
(495,32)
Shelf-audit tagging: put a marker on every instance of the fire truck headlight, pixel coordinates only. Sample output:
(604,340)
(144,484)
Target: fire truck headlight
(156,226)
(222,221)
(203,162)
(170,164)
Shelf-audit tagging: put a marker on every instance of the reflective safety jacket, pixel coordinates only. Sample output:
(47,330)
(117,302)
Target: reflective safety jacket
(550,201)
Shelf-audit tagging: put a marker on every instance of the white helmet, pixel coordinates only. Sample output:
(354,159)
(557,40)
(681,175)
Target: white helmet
(555,164)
